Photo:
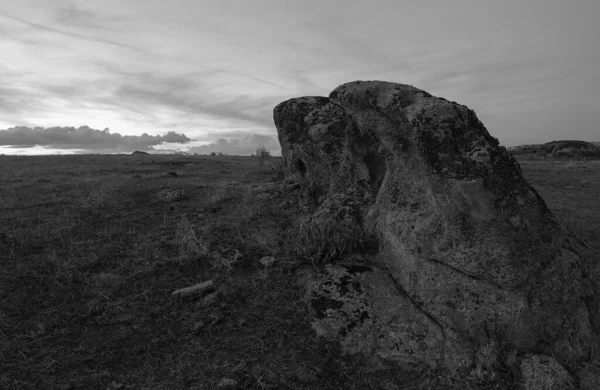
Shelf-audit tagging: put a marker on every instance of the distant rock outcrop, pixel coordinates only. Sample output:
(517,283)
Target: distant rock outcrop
(139,152)
(570,149)
(557,146)
(468,251)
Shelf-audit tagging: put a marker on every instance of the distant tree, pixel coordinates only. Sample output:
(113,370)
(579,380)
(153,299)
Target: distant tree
(213,154)
(263,154)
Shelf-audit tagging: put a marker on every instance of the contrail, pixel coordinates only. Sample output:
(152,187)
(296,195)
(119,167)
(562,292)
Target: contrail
(257,79)
(74,35)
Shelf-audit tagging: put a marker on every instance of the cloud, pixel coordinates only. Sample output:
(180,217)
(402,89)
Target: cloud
(78,18)
(190,95)
(41,27)
(244,146)
(84,138)
(165,89)
(205,103)
(73,15)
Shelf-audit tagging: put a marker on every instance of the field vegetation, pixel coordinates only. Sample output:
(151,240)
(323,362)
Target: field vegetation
(92,248)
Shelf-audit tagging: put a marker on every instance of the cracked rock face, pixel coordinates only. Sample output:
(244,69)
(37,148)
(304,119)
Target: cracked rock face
(468,250)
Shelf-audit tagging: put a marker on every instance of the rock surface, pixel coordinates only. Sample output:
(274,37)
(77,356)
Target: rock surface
(467,249)
(170,195)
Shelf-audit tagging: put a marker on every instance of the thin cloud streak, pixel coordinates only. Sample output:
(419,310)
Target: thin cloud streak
(75,35)
(73,15)
(258,79)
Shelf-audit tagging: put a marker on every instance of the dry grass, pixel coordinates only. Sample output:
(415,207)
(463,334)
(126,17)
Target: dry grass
(89,257)
(570,190)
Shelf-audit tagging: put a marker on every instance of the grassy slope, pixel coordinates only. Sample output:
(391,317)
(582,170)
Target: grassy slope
(570,190)
(89,257)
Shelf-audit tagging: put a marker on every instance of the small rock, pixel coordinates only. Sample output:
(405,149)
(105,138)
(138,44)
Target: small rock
(289,187)
(123,317)
(267,261)
(198,326)
(197,289)
(285,203)
(208,300)
(305,375)
(173,174)
(170,195)
(264,195)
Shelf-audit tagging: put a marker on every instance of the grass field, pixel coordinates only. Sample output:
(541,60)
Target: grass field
(92,248)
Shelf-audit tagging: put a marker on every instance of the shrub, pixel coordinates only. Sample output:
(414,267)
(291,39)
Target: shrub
(331,231)
(263,154)
(277,170)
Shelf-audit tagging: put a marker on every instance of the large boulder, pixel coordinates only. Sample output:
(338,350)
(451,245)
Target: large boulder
(468,251)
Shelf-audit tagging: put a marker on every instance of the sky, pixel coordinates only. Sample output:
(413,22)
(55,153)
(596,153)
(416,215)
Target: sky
(204,75)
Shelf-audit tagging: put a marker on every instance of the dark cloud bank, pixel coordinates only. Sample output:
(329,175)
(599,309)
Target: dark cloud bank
(94,141)
(103,141)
